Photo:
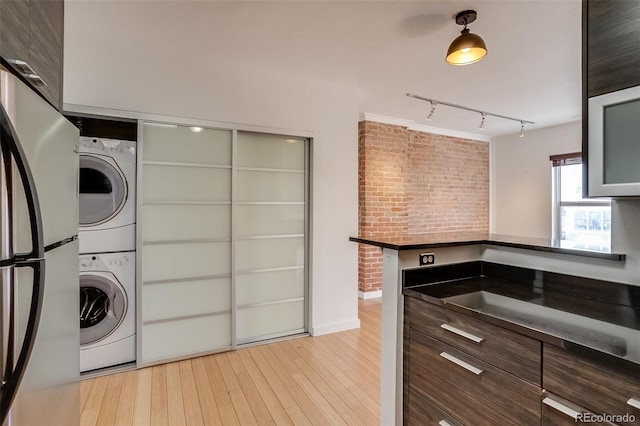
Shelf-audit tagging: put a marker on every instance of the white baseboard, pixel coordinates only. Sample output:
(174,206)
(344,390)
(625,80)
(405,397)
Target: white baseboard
(369,294)
(335,327)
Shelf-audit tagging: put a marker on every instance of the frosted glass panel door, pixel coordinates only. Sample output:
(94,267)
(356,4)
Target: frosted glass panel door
(271,240)
(186,241)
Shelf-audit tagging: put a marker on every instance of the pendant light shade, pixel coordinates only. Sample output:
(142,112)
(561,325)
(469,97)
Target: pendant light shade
(467,48)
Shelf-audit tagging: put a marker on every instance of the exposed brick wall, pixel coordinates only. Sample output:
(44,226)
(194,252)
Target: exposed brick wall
(413,182)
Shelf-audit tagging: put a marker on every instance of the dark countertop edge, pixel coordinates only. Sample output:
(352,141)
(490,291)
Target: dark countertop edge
(620,363)
(574,252)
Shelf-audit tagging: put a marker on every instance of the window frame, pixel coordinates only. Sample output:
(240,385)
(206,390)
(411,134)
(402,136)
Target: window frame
(558,161)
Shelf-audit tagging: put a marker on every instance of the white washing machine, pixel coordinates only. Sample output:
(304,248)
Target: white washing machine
(107,201)
(107,310)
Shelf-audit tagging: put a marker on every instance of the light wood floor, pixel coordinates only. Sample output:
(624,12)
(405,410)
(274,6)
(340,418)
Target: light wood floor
(325,380)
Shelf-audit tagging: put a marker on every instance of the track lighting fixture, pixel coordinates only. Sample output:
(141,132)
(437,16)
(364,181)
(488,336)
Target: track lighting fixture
(483,114)
(433,109)
(467,48)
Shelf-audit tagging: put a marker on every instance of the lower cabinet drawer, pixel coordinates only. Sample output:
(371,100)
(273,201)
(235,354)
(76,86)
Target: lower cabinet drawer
(419,411)
(473,391)
(507,350)
(557,411)
(593,384)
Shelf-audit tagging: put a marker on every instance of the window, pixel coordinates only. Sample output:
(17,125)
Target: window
(583,223)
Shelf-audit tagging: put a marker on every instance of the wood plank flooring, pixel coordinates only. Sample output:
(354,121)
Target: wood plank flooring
(326,380)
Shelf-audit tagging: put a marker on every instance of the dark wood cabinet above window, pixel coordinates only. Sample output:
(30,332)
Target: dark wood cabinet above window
(612,50)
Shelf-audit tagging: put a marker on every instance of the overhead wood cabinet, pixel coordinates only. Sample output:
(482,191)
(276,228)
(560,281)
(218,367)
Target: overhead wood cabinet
(222,237)
(31,42)
(611,97)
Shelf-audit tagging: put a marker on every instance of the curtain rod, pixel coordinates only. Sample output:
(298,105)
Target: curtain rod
(483,113)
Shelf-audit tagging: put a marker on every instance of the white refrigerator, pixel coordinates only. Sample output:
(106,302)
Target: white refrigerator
(39,299)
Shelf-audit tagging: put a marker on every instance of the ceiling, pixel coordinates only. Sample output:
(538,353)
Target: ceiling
(387,49)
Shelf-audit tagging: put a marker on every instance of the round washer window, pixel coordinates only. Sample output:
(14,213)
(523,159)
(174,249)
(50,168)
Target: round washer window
(102,308)
(103,190)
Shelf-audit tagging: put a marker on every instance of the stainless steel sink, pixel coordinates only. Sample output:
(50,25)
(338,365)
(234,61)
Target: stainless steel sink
(617,340)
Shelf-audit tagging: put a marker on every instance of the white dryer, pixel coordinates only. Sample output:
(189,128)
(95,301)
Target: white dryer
(107,310)
(107,198)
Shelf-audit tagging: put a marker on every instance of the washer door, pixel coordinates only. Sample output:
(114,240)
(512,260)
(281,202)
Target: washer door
(103,190)
(102,307)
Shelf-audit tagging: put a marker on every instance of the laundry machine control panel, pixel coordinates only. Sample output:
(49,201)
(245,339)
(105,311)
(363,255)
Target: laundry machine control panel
(106,262)
(107,146)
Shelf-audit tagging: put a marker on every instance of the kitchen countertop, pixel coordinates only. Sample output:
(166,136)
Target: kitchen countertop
(436,240)
(581,314)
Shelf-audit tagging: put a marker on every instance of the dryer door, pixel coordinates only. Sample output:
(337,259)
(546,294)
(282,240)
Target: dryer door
(103,190)
(103,304)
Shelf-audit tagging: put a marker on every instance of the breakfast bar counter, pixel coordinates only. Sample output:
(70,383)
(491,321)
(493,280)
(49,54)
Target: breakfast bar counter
(405,256)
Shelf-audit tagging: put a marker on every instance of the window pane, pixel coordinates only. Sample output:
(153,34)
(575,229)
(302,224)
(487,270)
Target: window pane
(571,179)
(580,226)
(586,227)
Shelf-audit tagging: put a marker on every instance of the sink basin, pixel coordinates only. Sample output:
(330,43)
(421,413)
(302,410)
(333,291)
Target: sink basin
(604,336)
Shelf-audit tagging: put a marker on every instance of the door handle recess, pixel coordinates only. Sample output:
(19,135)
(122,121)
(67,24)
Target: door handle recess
(634,402)
(461,363)
(562,408)
(462,333)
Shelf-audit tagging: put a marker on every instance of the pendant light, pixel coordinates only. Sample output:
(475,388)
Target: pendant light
(467,48)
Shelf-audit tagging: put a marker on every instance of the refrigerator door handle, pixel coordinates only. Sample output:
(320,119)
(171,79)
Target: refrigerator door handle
(13,374)
(9,138)
(7,322)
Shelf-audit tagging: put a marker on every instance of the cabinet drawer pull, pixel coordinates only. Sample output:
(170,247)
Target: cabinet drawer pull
(561,407)
(635,403)
(444,423)
(35,79)
(461,363)
(462,333)
(22,66)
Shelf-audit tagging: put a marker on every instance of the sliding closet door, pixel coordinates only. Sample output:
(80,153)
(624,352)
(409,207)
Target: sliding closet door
(270,236)
(185,225)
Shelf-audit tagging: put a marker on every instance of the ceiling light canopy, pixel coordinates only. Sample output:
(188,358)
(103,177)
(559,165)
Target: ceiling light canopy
(467,48)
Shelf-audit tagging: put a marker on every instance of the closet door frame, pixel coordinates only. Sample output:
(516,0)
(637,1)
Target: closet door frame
(308,238)
(307,242)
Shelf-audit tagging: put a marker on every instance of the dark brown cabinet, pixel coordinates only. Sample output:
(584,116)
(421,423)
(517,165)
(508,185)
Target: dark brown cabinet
(14,29)
(611,45)
(509,351)
(31,42)
(456,373)
(594,384)
(557,411)
(611,97)
(467,370)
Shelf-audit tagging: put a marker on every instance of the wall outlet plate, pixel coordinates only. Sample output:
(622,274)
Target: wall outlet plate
(427,259)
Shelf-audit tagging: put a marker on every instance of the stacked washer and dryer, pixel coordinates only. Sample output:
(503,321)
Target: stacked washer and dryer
(107,252)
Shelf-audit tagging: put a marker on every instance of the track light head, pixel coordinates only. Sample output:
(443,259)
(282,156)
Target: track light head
(433,109)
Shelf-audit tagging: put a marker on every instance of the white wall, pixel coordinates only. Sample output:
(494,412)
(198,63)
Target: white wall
(521,178)
(105,67)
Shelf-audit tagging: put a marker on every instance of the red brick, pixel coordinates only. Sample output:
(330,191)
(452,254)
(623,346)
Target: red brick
(415,183)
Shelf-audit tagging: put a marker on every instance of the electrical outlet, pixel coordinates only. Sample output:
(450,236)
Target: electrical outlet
(427,259)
